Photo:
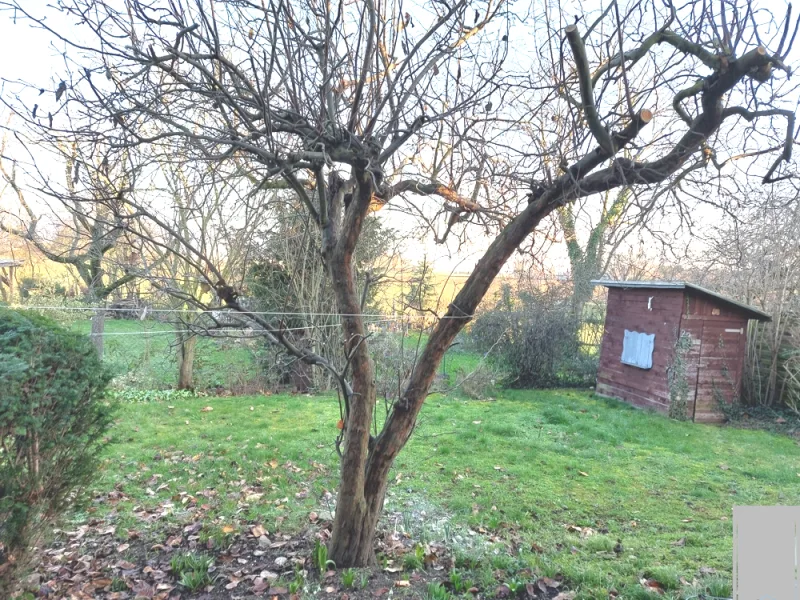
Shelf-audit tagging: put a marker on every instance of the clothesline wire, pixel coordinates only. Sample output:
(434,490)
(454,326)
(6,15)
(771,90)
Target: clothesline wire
(224,311)
(254,331)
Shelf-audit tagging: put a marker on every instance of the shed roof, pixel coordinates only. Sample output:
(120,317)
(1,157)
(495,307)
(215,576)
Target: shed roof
(752,313)
(9,262)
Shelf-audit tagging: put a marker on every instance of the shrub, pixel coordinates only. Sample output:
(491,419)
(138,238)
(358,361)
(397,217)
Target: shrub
(536,337)
(482,382)
(394,355)
(52,423)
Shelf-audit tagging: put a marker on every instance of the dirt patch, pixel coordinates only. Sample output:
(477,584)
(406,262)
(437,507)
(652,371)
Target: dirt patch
(91,563)
(175,551)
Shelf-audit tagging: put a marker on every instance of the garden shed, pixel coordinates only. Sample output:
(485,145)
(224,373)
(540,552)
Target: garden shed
(674,347)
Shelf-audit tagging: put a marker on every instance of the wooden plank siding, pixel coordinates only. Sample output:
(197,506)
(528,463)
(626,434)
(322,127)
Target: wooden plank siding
(628,309)
(722,331)
(714,360)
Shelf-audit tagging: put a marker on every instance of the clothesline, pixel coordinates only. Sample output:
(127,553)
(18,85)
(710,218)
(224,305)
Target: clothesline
(255,332)
(221,311)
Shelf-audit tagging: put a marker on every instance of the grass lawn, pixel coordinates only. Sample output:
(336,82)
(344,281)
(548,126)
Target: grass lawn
(536,483)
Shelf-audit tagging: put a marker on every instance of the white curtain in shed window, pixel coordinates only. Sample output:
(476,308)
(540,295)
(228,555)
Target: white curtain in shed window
(637,349)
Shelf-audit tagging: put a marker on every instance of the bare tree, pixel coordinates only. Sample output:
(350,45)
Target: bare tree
(203,211)
(86,233)
(755,256)
(328,100)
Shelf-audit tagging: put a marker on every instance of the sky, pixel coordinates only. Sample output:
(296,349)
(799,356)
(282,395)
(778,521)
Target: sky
(31,55)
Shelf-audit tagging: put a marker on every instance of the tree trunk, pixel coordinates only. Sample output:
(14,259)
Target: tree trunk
(356,518)
(12,284)
(186,351)
(98,329)
(364,477)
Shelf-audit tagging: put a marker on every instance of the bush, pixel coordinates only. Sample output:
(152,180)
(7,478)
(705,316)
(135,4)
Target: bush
(482,382)
(52,423)
(537,339)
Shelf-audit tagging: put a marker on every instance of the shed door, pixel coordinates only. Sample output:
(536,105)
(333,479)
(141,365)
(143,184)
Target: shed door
(692,368)
(720,365)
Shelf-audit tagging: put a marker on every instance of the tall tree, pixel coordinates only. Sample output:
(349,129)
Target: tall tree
(346,103)
(589,261)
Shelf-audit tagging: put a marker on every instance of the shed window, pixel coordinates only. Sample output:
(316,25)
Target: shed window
(637,349)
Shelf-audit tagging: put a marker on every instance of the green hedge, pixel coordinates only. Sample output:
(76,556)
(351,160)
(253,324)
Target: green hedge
(53,419)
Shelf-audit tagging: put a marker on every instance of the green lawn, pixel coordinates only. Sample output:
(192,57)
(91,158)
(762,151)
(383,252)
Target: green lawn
(535,482)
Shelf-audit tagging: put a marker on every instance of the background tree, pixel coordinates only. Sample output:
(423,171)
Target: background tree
(203,211)
(590,260)
(331,100)
(420,289)
(86,232)
(755,256)
(286,278)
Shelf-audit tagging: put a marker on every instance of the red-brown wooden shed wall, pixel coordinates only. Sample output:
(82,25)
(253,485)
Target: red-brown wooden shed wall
(714,362)
(720,332)
(628,309)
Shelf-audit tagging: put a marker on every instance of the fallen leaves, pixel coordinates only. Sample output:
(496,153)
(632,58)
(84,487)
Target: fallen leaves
(246,564)
(260,585)
(144,590)
(583,531)
(652,585)
(393,569)
(545,584)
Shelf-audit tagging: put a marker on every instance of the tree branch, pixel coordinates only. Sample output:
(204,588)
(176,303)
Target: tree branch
(427,189)
(596,126)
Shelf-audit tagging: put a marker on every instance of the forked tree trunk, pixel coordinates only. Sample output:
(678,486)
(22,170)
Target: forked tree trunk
(354,523)
(364,475)
(186,352)
(364,471)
